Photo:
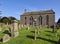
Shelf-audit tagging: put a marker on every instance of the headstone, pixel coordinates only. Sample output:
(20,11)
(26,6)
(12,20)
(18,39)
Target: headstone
(0,28)
(28,27)
(6,38)
(35,36)
(54,27)
(7,23)
(37,30)
(21,25)
(15,32)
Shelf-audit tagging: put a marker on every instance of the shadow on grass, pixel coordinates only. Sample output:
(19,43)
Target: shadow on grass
(32,37)
(55,42)
(48,35)
(59,41)
(1,39)
(33,31)
(49,31)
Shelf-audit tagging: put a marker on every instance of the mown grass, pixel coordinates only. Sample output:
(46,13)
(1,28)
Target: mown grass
(27,37)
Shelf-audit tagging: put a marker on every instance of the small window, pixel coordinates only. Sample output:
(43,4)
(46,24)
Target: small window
(40,20)
(31,20)
(47,20)
(25,20)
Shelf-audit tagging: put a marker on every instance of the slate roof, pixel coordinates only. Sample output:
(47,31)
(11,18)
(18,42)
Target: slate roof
(39,12)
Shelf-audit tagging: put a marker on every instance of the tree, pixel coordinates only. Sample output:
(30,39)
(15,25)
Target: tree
(58,23)
(11,19)
(5,20)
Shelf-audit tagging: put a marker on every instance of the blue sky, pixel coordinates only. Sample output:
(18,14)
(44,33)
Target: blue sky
(16,7)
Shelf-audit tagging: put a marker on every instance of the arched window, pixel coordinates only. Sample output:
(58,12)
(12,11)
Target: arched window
(25,20)
(31,20)
(47,20)
(40,20)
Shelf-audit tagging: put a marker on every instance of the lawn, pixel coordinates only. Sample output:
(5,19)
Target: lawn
(27,37)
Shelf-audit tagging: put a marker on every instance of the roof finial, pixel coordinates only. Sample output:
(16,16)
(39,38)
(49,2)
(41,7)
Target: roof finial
(25,10)
(51,8)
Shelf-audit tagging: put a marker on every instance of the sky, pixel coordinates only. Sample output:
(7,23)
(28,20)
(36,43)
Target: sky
(15,8)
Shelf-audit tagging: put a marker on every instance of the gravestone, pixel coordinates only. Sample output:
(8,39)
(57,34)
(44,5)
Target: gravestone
(14,29)
(6,38)
(37,28)
(19,26)
(54,27)
(35,36)
(28,27)
(0,28)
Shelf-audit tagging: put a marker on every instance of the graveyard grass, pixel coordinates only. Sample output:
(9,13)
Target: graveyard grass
(27,37)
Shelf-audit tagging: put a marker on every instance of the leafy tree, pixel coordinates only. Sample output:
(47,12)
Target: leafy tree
(5,20)
(11,19)
(58,23)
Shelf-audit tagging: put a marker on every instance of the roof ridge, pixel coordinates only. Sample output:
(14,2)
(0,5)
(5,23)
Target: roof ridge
(41,11)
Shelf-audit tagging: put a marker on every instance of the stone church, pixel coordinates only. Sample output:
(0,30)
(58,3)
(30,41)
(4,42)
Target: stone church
(44,18)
